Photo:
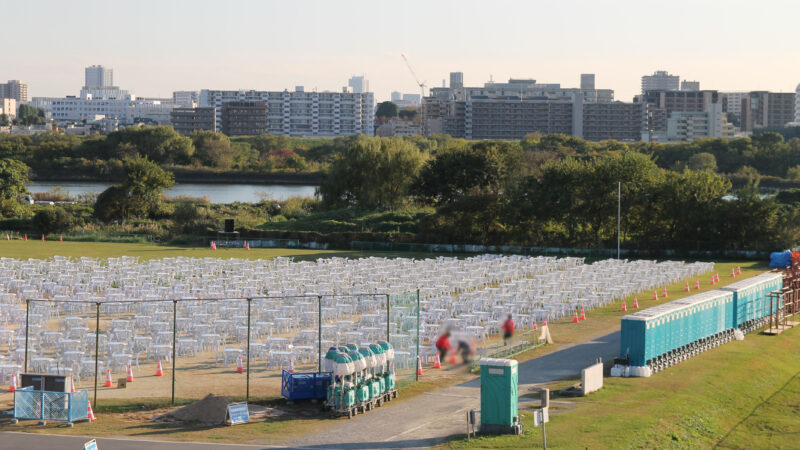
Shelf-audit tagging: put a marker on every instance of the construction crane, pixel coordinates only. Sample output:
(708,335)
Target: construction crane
(421,94)
(416,78)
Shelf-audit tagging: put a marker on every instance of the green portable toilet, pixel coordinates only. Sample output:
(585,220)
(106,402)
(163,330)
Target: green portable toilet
(499,380)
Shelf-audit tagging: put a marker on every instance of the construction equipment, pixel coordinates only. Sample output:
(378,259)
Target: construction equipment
(421,85)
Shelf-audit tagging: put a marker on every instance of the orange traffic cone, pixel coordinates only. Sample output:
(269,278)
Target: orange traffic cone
(13,386)
(72,391)
(635,303)
(664,292)
(90,413)
(655,294)
(717,277)
(545,322)
(26,236)
(738,270)
(159,369)
(42,237)
(686,288)
(291,366)
(583,314)
(60,238)
(697,285)
(213,245)
(535,326)
(575,319)
(733,273)
(108,382)
(624,306)
(712,280)
(419,366)
(438,363)
(130,374)
(8,238)
(239,366)
(453,358)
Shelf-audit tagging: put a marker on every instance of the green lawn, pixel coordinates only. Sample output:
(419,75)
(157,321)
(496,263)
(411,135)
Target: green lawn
(744,394)
(35,248)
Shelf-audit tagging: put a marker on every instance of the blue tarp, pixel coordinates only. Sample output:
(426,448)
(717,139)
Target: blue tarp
(779,260)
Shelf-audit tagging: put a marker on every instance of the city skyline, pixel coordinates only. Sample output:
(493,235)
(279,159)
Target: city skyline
(157,48)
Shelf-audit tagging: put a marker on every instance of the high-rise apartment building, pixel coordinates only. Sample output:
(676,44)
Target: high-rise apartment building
(587,81)
(660,80)
(660,104)
(690,85)
(8,106)
(186,99)
(521,88)
(14,89)
(505,118)
(301,113)
(99,77)
(456,79)
(685,126)
(797,104)
(244,118)
(359,84)
(761,109)
(732,104)
(186,120)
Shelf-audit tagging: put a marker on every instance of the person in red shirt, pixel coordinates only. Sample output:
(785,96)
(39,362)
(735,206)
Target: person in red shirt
(508,330)
(443,345)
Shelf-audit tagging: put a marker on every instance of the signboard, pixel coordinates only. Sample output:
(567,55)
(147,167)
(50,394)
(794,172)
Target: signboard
(91,445)
(541,416)
(238,413)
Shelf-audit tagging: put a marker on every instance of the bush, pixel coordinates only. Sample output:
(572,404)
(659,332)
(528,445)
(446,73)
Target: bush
(52,220)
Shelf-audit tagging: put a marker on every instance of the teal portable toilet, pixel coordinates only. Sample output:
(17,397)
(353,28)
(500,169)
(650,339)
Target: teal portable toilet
(499,385)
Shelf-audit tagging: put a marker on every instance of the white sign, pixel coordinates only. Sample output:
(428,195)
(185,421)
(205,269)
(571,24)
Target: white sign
(91,445)
(541,416)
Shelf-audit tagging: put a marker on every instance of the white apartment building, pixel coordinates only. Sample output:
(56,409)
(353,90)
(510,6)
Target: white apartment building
(683,126)
(732,102)
(797,105)
(186,99)
(301,113)
(100,98)
(8,106)
(660,80)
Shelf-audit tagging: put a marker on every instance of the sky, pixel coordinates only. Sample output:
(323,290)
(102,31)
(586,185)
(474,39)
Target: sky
(156,47)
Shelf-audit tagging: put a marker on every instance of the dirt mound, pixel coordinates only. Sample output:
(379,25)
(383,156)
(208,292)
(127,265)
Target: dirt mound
(212,410)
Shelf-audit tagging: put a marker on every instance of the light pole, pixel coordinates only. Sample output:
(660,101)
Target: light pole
(619,213)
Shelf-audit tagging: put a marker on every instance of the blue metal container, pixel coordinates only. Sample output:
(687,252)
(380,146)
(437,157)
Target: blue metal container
(302,386)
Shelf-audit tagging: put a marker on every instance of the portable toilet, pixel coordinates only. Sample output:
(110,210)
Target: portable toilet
(499,385)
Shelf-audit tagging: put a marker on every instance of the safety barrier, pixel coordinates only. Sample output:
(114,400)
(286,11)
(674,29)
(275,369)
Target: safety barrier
(46,405)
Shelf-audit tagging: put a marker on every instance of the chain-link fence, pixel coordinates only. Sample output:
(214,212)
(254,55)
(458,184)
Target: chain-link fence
(187,348)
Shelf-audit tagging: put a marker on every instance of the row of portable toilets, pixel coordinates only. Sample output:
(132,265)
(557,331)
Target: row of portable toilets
(363,377)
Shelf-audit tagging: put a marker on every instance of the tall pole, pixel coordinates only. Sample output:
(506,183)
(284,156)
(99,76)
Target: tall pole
(417,372)
(319,333)
(388,316)
(174,338)
(247,393)
(96,351)
(619,213)
(27,326)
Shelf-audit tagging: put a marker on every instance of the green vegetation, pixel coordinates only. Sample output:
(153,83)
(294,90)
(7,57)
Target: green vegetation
(386,110)
(739,395)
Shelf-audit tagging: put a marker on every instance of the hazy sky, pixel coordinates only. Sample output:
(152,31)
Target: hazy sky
(156,47)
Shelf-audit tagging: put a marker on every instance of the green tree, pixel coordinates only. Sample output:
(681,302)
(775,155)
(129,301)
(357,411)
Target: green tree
(30,115)
(139,195)
(13,179)
(372,173)
(296,163)
(161,144)
(4,120)
(703,161)
(386,110)
(213,149)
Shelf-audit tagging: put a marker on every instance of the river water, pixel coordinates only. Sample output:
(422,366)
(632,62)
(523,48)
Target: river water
(217,193)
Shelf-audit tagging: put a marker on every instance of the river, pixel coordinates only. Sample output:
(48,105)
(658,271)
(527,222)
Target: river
(217,193)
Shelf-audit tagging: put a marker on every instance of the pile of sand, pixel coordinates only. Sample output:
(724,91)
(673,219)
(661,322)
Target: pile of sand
(212,410)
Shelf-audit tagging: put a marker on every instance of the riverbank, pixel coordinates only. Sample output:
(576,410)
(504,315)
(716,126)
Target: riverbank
(196,176)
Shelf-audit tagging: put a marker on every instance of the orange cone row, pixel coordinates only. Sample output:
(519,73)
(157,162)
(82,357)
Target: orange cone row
(438,363)
(419,366)
(159,369)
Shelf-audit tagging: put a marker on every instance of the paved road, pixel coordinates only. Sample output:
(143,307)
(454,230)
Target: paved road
(433,417)
(420,422)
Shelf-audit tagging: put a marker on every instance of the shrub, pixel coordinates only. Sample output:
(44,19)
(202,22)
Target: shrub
(52,220)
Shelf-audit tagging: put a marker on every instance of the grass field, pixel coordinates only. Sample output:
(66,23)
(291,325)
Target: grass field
(39,250)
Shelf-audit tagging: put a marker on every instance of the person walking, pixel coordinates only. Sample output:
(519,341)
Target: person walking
(508,330)
(443,345)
